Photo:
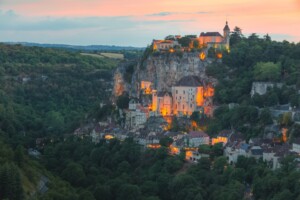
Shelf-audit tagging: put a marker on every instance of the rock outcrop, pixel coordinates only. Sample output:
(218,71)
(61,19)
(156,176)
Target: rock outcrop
(165,70)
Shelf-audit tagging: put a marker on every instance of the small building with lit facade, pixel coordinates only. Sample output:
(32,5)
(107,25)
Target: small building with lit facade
(196,138)
(161,103)
(222,137)
(164,45)
(146,87)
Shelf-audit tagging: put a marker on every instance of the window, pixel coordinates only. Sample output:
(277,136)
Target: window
(183,107)
(176,91)
(191,105)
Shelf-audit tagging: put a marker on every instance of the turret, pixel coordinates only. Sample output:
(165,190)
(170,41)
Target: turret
(226,35)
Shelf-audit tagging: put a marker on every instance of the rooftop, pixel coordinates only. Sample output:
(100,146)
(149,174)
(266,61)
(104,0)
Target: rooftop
(197,134)
(163,93)
(207,34)
(189,81)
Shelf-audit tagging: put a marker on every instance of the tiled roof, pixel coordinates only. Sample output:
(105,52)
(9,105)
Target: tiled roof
(161,94)
(210,34)
(197,134)
(190,81)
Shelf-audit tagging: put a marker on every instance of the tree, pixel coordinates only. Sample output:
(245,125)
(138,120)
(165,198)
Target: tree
(286,119)
(220,164)
(236,36)
(267,71)
(265,117)
(19,155)
(129,192)
(165,141)
(123,101)
(74,174)
(185,41)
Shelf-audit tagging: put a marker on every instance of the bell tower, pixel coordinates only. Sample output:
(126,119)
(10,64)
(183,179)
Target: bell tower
(226,35)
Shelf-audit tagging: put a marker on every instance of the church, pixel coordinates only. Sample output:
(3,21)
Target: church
(215,39)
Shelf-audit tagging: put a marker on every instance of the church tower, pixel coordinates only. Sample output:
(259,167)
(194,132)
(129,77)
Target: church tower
(226,35)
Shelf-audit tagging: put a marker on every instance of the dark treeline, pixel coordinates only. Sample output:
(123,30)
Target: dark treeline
(254,59)
(51,92)
(48,91)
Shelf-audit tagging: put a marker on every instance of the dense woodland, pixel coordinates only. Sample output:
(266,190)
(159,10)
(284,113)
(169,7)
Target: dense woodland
(255,59)
(46,92)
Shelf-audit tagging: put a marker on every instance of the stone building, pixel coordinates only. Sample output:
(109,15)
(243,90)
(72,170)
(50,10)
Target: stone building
(188,95)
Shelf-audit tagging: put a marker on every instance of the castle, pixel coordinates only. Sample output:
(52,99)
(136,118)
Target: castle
(205,40)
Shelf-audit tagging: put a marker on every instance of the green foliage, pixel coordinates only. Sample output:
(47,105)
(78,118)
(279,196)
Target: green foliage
(185,41)
(48,91)
(266,71)
(10,182)
(123,101)
(165,141)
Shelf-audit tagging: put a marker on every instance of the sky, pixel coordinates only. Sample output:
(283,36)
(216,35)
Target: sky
(137,22)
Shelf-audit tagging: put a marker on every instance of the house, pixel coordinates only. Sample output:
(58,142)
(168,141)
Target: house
(261,88)
(161,103)
(232,148)
(196,156)
(136,115)
(222,137)
(196,138)
(164,45)
(256,152)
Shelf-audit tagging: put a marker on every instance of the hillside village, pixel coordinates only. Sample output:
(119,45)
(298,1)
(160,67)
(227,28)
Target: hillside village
(156,110)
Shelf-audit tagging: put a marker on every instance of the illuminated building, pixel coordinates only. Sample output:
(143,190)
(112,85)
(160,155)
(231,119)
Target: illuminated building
(164,45)
(188,95)
(161,103)
(215,39)
(146,87)
(208,39)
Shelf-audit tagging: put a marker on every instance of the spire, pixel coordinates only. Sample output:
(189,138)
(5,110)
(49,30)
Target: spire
(226,28)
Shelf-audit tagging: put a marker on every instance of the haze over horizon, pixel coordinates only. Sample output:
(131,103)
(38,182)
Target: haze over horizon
(136,23)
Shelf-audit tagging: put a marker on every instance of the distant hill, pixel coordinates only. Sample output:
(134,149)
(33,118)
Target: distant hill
(87,48)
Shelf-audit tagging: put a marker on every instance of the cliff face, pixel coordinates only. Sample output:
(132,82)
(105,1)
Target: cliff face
(166,70)
(123,77)
(163,71)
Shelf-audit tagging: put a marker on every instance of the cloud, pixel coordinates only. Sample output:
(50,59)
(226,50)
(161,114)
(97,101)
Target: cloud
(10,21)
(162,14)
(203,12)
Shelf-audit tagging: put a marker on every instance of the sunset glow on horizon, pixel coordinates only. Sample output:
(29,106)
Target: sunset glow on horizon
(137,22)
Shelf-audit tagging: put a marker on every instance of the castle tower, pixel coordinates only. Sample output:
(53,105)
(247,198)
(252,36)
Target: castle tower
(226,35)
